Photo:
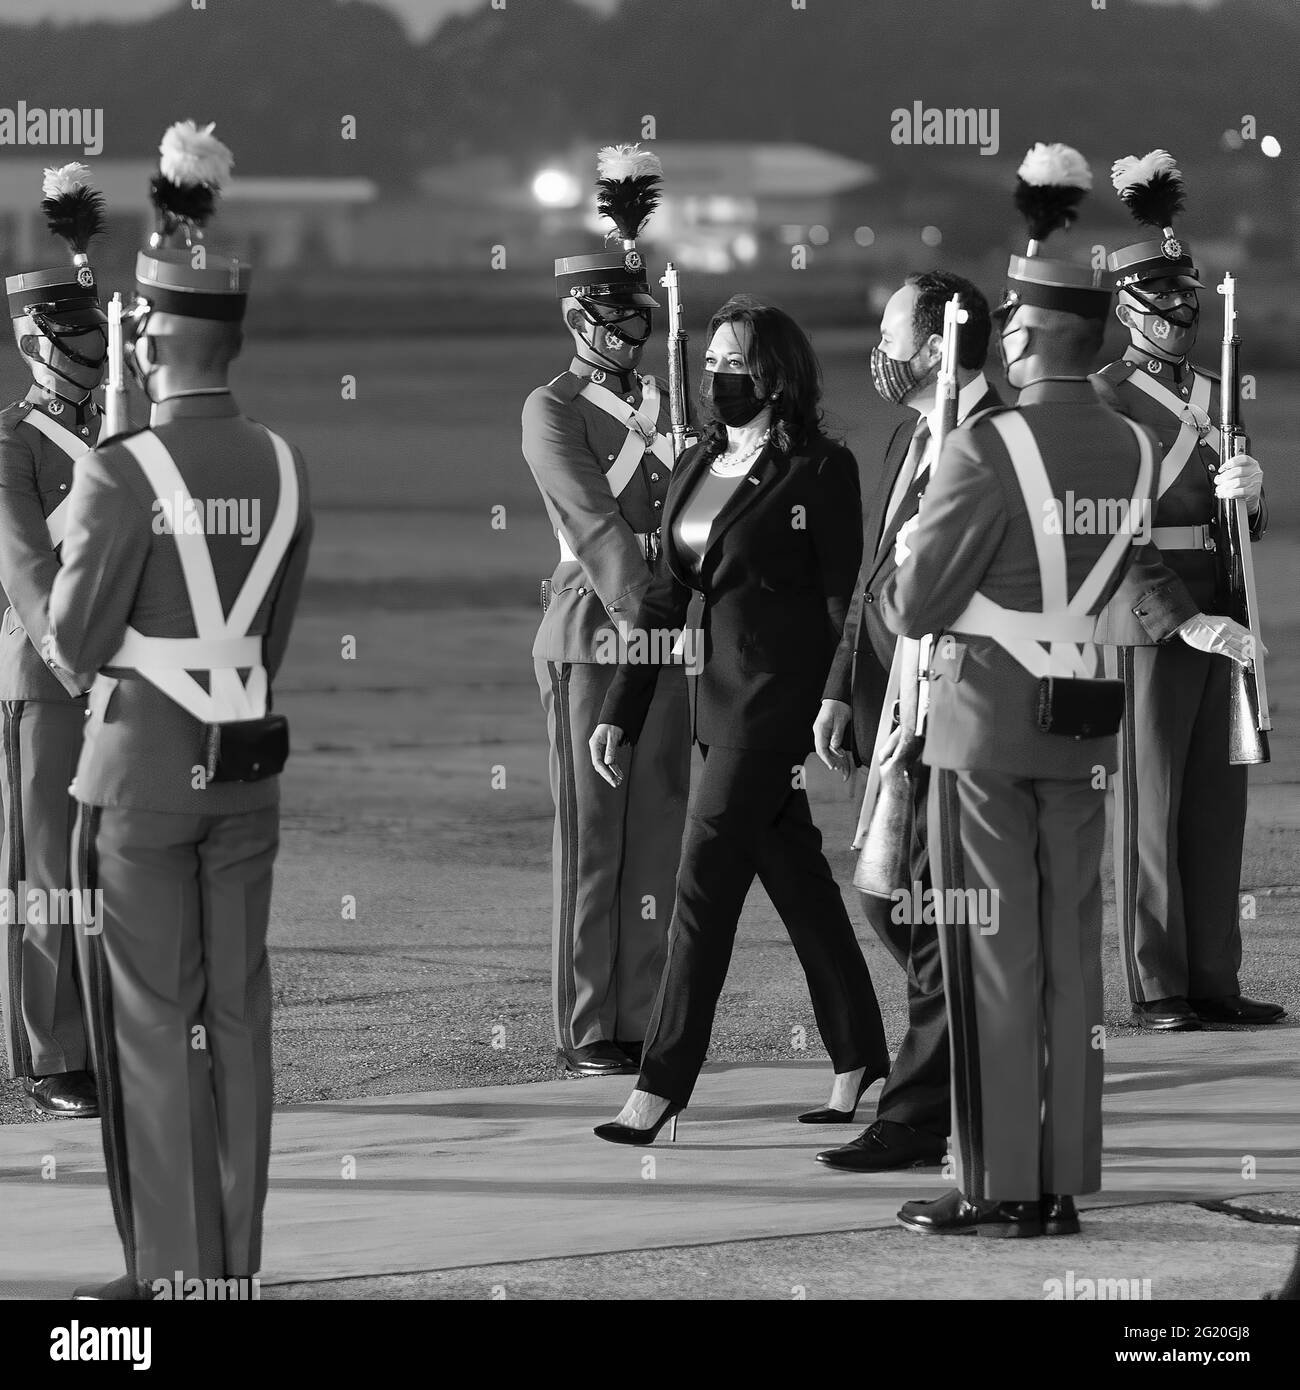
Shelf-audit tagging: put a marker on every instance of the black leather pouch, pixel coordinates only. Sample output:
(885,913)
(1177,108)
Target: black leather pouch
(1079,709)
(248,750)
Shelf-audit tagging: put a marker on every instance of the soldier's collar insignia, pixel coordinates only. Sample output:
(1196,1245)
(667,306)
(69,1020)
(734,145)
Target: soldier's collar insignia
(55,407)
(598,376)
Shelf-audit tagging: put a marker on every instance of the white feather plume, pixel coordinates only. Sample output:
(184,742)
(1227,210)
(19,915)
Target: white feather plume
(627,162)
(192,154)
(1057,164)
(1130,171)
(64,180)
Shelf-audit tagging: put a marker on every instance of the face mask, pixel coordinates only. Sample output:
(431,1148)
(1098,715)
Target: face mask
(1167,330)
(895,378)
(1009,362)
(732,397)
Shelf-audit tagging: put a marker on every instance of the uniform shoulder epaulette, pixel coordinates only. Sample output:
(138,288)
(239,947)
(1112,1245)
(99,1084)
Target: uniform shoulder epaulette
(125,434)
(1115,372)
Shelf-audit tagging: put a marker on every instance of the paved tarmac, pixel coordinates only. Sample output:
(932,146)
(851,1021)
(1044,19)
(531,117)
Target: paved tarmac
(466,1189)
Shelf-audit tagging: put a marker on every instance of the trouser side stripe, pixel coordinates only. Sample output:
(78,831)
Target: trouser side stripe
(20,1043)
(104,1041)
(965,1041)
(567,1000)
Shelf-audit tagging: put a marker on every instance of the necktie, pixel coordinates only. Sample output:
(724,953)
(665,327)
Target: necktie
(907,473)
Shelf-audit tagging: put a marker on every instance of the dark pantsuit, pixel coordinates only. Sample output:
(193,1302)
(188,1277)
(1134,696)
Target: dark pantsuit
(180,1000)
(1024,999)
(615,853)
(1180,819)
(749,819)
(45,1032)
(916,1091)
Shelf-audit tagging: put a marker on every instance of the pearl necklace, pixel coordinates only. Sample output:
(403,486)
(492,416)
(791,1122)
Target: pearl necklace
(733,467)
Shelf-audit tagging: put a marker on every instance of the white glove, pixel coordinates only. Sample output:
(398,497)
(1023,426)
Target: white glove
(1241,477)
(1221,636)
(901,548)
(606,746)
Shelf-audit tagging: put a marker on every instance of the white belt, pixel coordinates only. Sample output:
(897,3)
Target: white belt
(187,653)
(1183,537)
(566,550)
(984,618)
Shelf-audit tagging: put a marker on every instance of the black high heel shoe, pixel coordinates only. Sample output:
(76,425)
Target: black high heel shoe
(626,1134)
(828,1116)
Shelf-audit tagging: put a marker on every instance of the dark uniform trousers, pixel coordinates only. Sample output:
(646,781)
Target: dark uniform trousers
(1180,810)
(45,1032)
(183,1030)
(1024,988)
(917,1091)
(749,820)
(615,853)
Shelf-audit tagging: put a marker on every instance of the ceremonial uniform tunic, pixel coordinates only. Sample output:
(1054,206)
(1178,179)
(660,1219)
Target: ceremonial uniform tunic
(1016,814)
(43,712)
(1180,807)
(615,850)
(178,979)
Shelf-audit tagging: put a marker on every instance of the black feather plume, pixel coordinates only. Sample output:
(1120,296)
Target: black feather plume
(76,216)
(179,205)
(628,203)
(1154,204)
(1047,207)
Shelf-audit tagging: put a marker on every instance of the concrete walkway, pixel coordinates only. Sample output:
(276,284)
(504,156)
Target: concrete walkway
(503,1175)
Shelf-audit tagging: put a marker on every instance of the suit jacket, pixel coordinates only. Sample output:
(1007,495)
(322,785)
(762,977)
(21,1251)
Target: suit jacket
(975,534)
(860,669)
(569,445)
(1189,501)
(777,576)
(141,749)
(35,478)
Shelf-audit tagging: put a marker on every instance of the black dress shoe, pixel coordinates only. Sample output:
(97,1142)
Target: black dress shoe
(632,1050)
(597,1059)
(1058,1215)
(1233,1008)
(124,1290)
(886,1145)
(70,1094)
(1172,1015)
(954,1215)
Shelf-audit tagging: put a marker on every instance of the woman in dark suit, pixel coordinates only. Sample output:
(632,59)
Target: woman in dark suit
(764,518)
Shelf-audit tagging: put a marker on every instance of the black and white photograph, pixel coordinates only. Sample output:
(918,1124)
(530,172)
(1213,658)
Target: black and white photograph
(650,654)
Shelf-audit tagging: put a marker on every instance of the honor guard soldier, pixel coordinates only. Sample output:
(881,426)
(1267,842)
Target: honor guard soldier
(596,439)
(184,613)
(1021,731)
(1180,808)
(60,330)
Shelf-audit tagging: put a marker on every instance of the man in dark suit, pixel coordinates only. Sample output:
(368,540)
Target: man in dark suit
(182,566)
(911,1122)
